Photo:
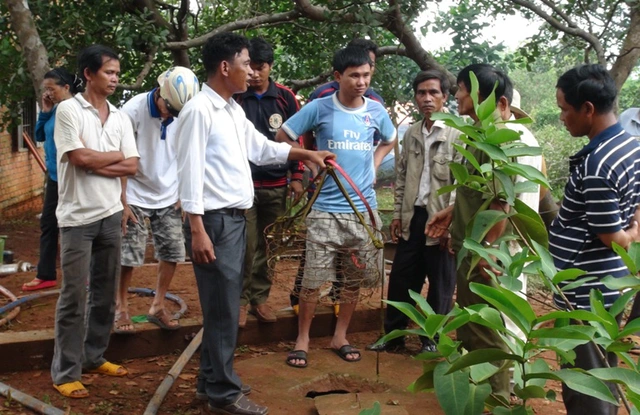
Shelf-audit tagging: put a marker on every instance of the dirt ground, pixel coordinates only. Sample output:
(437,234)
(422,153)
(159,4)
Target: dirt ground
(262,366)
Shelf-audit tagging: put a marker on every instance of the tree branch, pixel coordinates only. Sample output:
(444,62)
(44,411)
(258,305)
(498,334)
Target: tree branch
(249,23)
(144,72)
(630,50)
(33,50)
(156,16)
(297,85)
(570,30)
(394,23)
(392,50)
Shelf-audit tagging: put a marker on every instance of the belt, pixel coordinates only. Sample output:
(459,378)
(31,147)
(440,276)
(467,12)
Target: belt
(229,211)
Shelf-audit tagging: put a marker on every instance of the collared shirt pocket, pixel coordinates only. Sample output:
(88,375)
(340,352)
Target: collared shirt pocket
(441,166)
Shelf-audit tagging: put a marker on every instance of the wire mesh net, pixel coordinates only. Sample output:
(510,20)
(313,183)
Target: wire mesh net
(331,257)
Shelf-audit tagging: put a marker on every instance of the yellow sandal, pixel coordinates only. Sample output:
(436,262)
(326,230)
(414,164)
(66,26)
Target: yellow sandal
(75,390)
(109,369)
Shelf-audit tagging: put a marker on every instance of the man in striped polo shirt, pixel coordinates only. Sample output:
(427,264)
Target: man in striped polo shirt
(599,207)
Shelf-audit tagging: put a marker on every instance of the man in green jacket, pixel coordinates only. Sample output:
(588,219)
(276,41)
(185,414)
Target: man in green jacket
(422,169)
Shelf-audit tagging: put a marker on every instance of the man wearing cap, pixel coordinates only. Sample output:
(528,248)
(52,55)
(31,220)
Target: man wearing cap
(152,194)
(630,121)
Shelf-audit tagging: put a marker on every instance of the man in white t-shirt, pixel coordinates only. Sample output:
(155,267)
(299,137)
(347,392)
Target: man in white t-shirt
(95,147)
(152,193)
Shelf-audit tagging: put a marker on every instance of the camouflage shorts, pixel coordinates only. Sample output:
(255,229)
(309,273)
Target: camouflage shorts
(339,242)
(166,228)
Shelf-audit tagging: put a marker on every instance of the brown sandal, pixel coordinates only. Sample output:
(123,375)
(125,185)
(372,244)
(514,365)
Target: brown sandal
(121,320)
(163,319)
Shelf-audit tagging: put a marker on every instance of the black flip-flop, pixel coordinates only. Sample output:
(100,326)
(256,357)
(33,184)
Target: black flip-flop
(297,355)
(345,350)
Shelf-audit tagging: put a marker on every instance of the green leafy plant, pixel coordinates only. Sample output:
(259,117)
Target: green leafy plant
(459,378)
(376,410)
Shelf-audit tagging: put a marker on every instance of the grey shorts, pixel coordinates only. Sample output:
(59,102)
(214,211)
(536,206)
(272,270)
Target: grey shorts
(339,242)
(168,239)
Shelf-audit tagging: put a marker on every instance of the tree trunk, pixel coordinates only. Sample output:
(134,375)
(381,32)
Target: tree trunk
(630,51)
(34,52)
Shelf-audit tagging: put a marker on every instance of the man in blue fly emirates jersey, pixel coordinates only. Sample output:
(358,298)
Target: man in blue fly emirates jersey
(345,124)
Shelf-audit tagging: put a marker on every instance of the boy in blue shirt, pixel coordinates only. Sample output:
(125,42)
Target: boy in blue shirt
(345,124)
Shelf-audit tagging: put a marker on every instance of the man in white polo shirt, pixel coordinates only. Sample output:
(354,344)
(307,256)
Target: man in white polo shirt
(96,147)
(153,194)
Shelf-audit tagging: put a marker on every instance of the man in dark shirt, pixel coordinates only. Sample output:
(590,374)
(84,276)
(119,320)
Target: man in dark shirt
(267,105)
(599,207)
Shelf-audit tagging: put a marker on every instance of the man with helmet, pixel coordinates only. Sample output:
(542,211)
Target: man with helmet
(153,193)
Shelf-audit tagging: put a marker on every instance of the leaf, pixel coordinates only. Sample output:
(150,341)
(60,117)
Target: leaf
(483,221)
(597,306)
(486,108)
(530,224)
(526,187)
(514,410)
(530,392)
(502,135)
(548,267)
(425,381)
(508,303)
(467,155)
(620,304)
(521,151)
(476,357)
(581,382)
(568,274)
(626,258)
(447,189)
(570,315)
(477,395)
(527,172)
(578,283)
(483,371)
(567,332)
(452,389)
(409,311)
(507,185)
(621,283)
(492,151)
(489,317)
(634,253)
(460,172)
(376,410)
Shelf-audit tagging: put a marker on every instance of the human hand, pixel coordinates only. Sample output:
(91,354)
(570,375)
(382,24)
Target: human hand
(483,266)
(127,215)
(296,188)
(438,223)
(47,103)
(633,232)
(318,157)
(395,228)
(202,248)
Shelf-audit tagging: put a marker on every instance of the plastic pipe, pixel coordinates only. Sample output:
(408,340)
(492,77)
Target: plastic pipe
(29,401)
(148,292)
(25,299)
(13,312)
(163,389)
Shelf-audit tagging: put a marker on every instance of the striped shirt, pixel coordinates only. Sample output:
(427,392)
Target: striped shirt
(601,197)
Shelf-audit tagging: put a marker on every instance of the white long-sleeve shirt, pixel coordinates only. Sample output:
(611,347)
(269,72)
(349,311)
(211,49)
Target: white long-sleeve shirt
(214,144)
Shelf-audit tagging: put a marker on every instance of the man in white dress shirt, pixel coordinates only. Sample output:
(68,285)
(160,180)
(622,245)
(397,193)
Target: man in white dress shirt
(215,143)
